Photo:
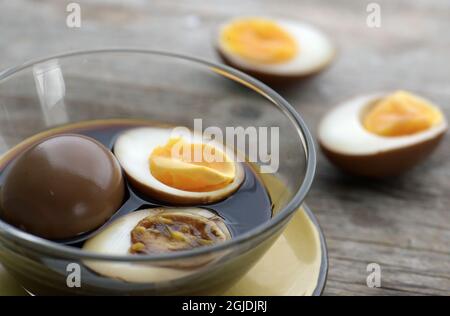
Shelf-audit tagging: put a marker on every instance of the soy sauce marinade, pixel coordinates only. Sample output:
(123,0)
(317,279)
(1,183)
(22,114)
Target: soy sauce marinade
(247,208)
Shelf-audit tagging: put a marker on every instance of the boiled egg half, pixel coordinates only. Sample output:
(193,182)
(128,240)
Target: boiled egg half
(275,51)
(156,231)
(381,135)
(179,168)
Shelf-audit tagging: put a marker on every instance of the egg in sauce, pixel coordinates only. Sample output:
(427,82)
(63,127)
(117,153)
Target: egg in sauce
(163,166)
(62,187)
(221,200)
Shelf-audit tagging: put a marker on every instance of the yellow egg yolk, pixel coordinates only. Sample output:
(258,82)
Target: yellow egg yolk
(191,167)
(401,114)
(259,40)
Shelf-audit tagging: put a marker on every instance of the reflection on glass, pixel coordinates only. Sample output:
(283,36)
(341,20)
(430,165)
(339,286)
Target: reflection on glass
(51,91)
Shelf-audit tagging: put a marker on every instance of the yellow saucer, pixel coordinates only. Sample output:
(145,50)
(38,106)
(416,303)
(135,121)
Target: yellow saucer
(295,265)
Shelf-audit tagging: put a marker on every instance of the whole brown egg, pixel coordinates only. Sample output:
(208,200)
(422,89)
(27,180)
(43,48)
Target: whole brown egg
(61,187)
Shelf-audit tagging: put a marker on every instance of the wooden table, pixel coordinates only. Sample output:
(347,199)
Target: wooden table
(403,224)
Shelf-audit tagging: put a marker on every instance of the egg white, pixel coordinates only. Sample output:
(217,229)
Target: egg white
(342,130)
(133,149)
(315,51)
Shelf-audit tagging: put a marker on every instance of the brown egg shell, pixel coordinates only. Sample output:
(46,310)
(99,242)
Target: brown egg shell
(276,79)
(384,164)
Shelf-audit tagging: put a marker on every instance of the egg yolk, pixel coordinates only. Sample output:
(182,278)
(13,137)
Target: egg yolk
(174,232)
(191,167)
(401,114)
(259,40)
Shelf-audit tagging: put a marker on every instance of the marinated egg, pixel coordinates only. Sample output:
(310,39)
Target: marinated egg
(275,51)
(61,187)
(180,169)
(155,231)
(381,135)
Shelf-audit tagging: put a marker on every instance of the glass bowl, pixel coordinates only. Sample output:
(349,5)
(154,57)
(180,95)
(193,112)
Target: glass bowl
(162,87)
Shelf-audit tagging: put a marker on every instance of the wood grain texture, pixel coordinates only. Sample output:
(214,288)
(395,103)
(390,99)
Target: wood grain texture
(402,223)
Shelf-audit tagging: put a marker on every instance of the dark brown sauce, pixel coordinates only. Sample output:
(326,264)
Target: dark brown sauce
(247,208)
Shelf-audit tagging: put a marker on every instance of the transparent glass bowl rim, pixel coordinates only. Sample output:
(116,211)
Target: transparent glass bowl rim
(55,249)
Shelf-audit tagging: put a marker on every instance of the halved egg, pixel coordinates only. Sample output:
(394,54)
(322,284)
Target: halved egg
(275,51)
(381,135)
(156,231)
(176,168)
